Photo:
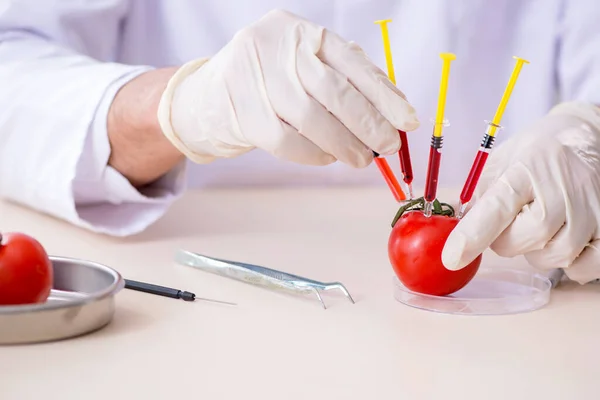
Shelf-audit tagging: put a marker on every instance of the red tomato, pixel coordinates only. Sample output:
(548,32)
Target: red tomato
(26,273)
(415,251)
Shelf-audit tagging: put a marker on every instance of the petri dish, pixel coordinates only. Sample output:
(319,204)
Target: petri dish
(493,291)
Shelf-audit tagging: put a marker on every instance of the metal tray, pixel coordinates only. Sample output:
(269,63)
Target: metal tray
(81,301)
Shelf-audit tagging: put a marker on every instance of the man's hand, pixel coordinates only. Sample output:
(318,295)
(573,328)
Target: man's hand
(290,88)
(539,196)
(139,150)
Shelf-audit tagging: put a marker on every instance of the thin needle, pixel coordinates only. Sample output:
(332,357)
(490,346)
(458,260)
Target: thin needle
(217,301)
(167,291)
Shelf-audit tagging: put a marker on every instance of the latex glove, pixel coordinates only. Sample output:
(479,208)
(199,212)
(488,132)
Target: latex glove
(539,196)
(291,88)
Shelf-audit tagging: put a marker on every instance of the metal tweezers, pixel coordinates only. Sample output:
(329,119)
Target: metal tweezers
(258,275)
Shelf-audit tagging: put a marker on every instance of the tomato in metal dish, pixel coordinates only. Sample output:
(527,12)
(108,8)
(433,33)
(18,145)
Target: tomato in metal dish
(26,273)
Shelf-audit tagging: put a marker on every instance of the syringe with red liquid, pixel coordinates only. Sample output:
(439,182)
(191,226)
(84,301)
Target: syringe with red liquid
(404,153)
(405,164)
(433,171)
(435,151)
(390,178)
(488,141)
(475,173)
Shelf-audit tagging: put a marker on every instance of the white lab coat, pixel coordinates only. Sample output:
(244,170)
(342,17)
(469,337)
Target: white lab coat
(61,63)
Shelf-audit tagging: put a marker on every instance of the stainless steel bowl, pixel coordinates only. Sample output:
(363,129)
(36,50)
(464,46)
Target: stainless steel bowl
(81,301)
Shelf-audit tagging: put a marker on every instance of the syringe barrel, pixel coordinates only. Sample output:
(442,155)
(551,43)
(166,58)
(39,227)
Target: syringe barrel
(390,179)
(477,168)
(473,178)
(405,163)
(433,170)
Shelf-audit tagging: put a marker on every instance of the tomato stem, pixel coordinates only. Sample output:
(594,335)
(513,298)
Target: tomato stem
(419,205)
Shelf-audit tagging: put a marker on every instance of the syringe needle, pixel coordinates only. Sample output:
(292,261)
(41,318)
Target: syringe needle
(488,141)
(404,153)
(435,151)
(216,301)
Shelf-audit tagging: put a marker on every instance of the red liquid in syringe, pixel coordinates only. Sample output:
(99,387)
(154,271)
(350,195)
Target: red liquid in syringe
(433,171)
(405,164)
(473,178)
(390,179)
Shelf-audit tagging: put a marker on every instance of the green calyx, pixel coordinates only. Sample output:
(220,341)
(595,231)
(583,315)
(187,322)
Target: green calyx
(419,205)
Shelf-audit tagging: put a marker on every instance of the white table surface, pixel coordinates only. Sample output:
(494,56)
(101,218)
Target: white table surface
(275,346)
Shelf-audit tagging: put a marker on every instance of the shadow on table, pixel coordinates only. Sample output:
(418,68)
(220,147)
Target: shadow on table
(183,219)
(126,321)
(572,288)
(235,216)
(226,212)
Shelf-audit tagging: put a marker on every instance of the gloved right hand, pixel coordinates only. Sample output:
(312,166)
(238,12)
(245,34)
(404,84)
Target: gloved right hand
(288,87)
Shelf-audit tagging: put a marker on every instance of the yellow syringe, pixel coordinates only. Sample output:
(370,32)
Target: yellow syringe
(404,153)
(488,140)
(435,151)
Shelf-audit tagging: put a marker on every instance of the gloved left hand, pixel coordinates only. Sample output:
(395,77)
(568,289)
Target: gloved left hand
(539,196)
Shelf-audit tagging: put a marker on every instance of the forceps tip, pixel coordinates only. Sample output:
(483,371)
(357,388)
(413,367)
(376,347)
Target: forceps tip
(345,291)
(316,292)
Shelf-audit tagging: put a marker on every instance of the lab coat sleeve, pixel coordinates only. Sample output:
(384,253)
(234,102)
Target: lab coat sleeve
(579,51)
(57,87)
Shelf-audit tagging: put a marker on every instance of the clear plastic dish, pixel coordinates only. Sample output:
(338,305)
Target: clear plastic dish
(491,292)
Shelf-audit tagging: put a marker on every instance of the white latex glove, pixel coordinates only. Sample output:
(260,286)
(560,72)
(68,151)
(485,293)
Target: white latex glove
(539,196)
(291,88)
